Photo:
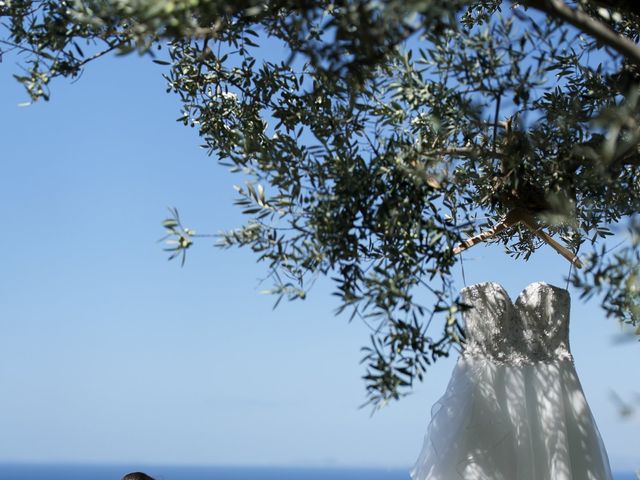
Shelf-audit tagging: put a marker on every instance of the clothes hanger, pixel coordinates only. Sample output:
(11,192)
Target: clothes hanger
(513,217)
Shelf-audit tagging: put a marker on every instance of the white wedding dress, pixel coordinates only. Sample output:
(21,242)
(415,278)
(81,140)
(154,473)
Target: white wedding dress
(514,408)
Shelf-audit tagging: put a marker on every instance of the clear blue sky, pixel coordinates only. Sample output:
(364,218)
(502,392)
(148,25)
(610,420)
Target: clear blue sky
(109,353)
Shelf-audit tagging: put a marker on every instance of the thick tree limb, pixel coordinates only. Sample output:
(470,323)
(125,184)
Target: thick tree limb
(589,25)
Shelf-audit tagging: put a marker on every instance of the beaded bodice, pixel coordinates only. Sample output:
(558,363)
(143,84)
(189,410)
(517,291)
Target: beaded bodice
(534,328)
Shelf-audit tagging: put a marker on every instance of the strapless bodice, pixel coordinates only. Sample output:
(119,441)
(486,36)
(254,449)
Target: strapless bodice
(534,328)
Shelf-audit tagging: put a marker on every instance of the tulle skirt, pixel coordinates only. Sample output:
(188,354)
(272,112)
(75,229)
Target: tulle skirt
(512,422)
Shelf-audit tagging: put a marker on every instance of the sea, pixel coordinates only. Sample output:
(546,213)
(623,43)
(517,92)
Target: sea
(115,472)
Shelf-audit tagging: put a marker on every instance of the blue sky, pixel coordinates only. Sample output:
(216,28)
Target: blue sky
(109,353)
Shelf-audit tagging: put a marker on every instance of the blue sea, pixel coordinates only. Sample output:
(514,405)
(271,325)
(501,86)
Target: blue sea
(115,472)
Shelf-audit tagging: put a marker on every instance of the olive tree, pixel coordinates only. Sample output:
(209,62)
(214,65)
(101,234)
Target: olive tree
(373,136)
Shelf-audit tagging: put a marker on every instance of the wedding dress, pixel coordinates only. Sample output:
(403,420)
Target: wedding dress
(514,408)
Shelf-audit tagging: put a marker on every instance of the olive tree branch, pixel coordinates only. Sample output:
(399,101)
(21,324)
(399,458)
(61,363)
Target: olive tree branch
(589,25)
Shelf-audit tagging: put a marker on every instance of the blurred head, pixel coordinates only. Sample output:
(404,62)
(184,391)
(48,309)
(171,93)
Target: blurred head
(137,476)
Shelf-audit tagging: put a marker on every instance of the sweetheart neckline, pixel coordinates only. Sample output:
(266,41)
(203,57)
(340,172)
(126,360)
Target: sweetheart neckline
(519,298)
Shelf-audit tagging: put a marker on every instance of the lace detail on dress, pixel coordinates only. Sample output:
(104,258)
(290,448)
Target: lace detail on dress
(534,328)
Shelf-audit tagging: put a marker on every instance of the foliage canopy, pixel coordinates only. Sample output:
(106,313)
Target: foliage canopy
(375,135)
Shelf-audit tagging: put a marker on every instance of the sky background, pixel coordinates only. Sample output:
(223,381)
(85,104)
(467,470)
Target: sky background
(110,353)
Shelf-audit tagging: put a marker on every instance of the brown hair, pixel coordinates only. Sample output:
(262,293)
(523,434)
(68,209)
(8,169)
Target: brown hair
(137,476)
